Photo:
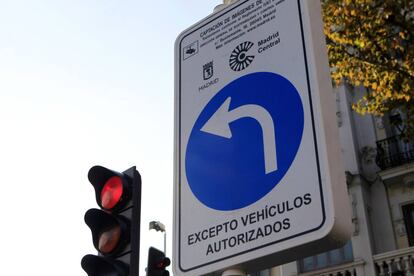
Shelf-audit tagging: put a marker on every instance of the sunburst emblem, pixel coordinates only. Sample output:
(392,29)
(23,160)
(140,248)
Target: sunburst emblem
(239,60)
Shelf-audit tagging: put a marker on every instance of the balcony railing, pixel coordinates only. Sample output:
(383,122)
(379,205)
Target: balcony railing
(392,263)
(395,263)
(355,268)
(393,152)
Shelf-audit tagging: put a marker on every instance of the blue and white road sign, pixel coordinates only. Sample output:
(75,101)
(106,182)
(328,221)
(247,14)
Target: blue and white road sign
(244,141)
(257,165)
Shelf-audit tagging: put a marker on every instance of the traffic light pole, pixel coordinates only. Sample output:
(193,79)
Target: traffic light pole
(165,242)
(136,219)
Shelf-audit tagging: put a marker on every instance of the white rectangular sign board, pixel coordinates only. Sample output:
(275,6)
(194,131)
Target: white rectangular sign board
(259,179)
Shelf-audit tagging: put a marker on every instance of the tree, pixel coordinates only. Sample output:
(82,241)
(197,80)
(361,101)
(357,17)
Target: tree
(371,43)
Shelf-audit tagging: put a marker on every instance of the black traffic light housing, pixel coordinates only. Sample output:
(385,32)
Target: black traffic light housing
(100,221)
(95,265)
(157,263)
(116,226)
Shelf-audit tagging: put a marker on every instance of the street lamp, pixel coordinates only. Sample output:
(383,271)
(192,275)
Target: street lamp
(159,226)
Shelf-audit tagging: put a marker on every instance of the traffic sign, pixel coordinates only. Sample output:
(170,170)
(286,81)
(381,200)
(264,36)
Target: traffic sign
(223,124)
(258,175)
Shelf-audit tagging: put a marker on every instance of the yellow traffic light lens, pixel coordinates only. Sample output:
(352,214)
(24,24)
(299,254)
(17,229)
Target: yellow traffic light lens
(109,239)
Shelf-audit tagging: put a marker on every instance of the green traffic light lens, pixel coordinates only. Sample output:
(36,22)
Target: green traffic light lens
(111,192)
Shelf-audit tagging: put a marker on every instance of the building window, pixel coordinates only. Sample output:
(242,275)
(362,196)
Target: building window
(408,212)
(327,259)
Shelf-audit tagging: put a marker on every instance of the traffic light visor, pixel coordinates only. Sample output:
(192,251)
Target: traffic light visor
(112,189)
(98,266)
(110,233)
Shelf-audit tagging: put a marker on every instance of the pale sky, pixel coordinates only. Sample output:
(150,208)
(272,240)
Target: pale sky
(83,83)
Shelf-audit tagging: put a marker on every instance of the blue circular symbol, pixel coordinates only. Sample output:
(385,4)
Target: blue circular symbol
(244,141)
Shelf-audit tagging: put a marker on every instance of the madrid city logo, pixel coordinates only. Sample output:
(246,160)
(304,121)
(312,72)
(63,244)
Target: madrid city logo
(239,59)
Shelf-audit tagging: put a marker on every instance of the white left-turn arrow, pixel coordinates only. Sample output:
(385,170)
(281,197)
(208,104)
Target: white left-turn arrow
(218,124)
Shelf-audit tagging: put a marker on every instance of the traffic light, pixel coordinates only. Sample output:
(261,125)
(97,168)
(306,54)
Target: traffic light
(115,226)
(157,263)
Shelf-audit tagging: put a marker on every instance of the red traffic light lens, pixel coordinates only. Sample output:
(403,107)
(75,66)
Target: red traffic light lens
(109,239)
(163,263)
(111,192)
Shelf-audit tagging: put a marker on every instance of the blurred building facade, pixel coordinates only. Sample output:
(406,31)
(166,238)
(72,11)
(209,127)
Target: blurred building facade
(379,167)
